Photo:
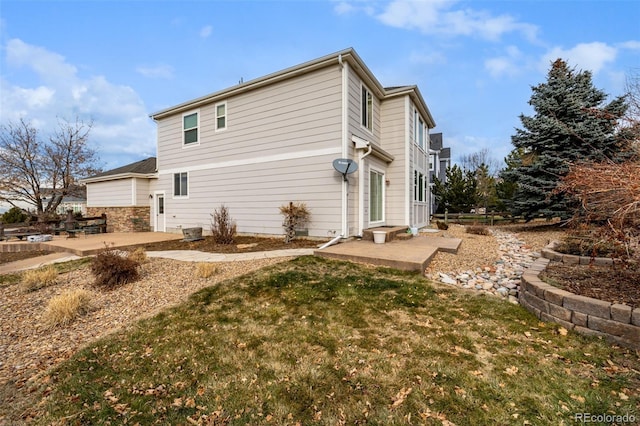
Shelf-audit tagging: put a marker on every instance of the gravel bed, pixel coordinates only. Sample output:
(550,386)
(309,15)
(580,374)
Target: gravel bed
(29,347)
(480,251)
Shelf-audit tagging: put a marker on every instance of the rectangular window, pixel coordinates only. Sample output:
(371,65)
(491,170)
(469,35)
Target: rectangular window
(180,184)
(366,109)
(221,116)
(432,162)
(376,196)
(419,186)
(420,133)
(190,128)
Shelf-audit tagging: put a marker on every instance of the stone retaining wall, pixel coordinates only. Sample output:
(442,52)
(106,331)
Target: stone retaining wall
(616,323)
(124,219)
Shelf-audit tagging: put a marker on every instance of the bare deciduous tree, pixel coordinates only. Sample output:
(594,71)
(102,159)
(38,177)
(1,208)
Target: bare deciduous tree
(41,173)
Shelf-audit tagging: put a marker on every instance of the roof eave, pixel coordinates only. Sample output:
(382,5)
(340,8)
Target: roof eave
(347,55)
(118,177)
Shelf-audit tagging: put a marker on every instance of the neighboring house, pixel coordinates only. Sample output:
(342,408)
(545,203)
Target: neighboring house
(439,162)
(75,201)
(124,195)
(263,143)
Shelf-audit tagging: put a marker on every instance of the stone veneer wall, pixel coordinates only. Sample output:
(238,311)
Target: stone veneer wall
(615,322)
(124,219)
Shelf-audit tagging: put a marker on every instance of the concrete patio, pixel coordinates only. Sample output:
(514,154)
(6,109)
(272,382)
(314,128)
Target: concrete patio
(86,245)
(412,254)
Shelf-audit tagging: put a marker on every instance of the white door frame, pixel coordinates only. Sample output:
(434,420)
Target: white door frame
(382,173)
(160,218)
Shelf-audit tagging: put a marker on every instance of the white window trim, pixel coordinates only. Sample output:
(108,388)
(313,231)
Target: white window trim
(173,186)
(416,131)
(188,145)
(363,112)
(384,216)
(226,116)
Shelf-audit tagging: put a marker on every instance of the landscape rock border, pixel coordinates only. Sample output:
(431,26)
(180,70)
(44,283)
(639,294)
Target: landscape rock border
(614,322)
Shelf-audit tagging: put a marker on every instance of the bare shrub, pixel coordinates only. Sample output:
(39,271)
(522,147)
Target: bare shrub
(64,308)
(609,195)
(223,228)
(36,279)
(477,230)
(138,255)
(295,215)
(206,270)
(111,269)
(443,226)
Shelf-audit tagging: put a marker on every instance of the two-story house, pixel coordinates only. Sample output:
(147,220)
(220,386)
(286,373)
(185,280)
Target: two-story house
(263,143)
(439,162)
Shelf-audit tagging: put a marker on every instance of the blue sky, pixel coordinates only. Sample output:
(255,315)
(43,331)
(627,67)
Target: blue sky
(116,62)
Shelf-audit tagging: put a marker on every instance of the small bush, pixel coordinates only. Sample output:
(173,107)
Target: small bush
(477,230)
(64,308)
(295,215)
(223,228)
(36,279)
(138,255)
(112,270)
(206,270)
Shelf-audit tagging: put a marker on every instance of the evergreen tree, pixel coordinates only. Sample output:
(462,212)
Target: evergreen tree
(571,123)
(506,185)
(458,193)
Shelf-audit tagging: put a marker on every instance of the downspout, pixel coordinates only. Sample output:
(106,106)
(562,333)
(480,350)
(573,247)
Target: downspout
(344,67)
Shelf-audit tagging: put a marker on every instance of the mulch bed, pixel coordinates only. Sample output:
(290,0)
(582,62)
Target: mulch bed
(242,244)
(612,284)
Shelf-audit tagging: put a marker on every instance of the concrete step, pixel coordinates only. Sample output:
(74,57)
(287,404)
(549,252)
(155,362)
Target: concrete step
(392,232)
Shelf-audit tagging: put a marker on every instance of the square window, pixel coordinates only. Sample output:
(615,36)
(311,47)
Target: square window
(190,128)
(180,184)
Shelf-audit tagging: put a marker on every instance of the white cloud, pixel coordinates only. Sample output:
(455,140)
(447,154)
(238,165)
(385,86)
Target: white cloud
(205,32)
(631,45)
(121,123)
(158,71)
(507,64)
(433,57)
(584,56)
(438,17)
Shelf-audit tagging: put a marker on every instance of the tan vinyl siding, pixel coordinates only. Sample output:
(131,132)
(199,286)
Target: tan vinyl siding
(254,192)
(392,136)
(297,114)
(109,193)
(355,127)
(142,192)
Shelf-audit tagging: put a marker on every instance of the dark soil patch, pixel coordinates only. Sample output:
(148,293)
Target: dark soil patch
(614,284)
(241,244)
(13,257)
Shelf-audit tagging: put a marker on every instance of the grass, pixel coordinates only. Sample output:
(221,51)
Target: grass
(314,341)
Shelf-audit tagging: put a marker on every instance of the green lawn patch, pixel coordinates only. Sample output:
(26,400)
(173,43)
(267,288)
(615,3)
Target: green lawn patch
(315,341)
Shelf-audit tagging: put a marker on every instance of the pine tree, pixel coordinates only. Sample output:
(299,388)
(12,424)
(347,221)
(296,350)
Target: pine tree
(571,123)
(458,193)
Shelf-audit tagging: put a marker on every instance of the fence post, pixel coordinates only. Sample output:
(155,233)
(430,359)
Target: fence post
(446,216)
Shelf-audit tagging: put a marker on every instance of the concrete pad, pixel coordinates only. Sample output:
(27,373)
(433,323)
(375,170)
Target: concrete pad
(408,255)
(91,244)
